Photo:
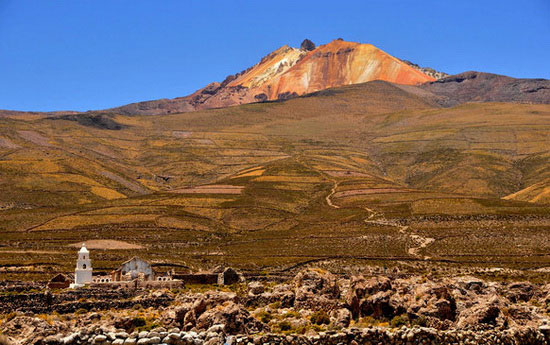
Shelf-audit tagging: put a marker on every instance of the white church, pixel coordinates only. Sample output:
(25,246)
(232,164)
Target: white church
(83,270)
(134,269)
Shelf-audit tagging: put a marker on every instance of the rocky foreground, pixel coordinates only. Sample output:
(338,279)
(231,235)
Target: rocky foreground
(315,307)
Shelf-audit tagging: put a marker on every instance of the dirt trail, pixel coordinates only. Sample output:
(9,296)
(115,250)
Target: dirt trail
(378,218)
(332,191)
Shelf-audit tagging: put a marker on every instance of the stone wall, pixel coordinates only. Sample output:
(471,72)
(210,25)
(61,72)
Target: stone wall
(72,300)
(354,336)
(198,278)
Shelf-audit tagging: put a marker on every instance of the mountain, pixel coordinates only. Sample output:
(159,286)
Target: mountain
(289,72)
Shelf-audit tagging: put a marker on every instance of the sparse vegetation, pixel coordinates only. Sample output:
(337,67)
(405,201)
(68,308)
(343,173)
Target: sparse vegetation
(399,320)
(264,316)
(284,325)
(320,318)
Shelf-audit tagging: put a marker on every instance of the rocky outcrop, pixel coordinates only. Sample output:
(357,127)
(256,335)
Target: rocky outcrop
(307,45)
(234,318)
(427,70)
(369,297)
(316,290)
(214,308)
(282,294)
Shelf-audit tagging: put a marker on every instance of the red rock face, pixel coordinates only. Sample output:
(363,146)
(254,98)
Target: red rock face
(289,72)
(342,63)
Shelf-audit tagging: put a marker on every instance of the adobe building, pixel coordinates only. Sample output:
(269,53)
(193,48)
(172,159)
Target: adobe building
(135,268)
(60,281)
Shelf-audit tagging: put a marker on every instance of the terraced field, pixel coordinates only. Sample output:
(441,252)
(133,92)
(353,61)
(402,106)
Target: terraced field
(365,174)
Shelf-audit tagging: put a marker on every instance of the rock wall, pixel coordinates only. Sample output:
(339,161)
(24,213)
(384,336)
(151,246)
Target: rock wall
(216,334)
(73,300)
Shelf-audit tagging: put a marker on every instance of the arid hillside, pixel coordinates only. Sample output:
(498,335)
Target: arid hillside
(367,172)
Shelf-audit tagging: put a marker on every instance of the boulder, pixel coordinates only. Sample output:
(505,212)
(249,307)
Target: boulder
(520,292)
(360,289)
(378,305)
(341,318)
(255,288)
(31,329)
(235,318)
(283,294)
(316,289)
(435,300)
(486,312)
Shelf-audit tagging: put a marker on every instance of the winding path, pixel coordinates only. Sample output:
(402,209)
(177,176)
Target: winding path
(377,218)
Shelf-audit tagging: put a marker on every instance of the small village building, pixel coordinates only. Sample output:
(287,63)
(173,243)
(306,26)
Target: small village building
(83,270)
(133,269)
(228,277)
(60,281)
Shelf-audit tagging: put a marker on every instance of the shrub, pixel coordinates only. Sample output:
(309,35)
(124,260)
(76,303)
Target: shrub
(138,322)
(320,318)
(420,321)
(148,327)
(293,314)
(275,305)
(285,325)
(264,316)
(137,306)
(399,320)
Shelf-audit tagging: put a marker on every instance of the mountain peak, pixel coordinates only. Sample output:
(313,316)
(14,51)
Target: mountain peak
(289,72)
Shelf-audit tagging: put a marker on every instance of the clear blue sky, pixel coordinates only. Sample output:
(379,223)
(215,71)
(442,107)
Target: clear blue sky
(94,54)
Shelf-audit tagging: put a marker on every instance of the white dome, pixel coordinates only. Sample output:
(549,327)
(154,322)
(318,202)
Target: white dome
(83,249)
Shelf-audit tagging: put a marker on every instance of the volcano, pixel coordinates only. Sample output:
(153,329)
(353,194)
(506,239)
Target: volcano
(289,72)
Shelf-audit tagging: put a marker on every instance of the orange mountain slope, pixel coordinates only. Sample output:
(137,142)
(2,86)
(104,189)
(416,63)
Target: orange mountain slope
(341,63)
(289,72)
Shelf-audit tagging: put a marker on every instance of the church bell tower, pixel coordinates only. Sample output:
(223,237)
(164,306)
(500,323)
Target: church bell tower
(83,270)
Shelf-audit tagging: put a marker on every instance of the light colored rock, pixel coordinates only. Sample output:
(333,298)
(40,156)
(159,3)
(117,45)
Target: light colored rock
(69,339)
(99,339)
(154,340)
(143,341)
(218,328)
(122,335)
